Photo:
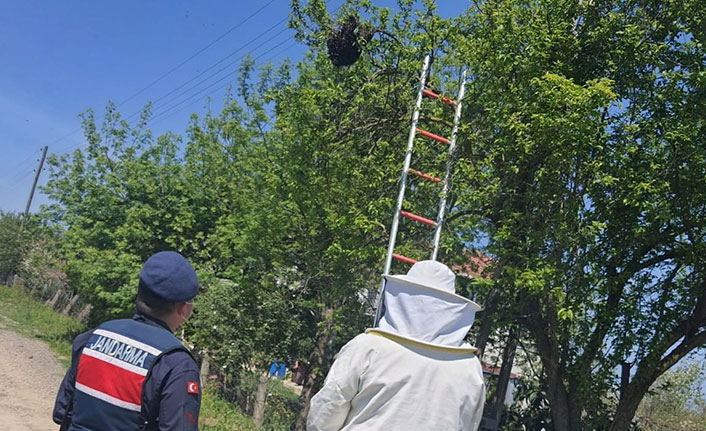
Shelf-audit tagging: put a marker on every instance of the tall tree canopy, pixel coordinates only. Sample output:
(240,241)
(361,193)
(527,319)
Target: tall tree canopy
(585,168)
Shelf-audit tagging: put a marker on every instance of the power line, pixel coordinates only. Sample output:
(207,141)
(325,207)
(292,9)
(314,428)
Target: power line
(67,149)
(224,67)
(217,89)
(31,193)
(180,94)
(22,173)
(227,76)
(188,100)
(155,107)
(191,57)
(158,105)
(22,178)
(285,49)
(21,165)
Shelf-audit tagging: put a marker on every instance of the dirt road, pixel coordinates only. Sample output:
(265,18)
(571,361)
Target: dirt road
(29,378)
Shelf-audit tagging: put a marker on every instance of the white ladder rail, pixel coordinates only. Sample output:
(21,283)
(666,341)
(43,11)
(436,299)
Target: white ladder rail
(449,162)
(406,168)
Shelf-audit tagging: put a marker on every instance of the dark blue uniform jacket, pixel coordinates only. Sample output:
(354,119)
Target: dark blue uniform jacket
(168,396)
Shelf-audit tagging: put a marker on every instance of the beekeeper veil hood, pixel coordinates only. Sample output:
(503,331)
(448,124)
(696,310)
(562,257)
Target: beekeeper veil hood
(423,305)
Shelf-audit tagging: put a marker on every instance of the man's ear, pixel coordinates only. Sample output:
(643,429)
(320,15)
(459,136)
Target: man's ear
(181,308)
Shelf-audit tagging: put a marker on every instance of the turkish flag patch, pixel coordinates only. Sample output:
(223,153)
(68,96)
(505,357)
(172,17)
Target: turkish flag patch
(192,388)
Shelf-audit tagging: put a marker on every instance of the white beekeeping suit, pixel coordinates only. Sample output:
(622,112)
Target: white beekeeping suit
(413,372)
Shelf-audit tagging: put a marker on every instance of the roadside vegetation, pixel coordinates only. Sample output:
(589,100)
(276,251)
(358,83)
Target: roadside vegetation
(31,318)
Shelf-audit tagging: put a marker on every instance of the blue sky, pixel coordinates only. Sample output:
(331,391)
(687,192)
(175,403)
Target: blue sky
(63,57)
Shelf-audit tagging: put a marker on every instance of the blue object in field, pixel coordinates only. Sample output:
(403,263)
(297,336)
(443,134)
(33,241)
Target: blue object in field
(273,369)
(281,370)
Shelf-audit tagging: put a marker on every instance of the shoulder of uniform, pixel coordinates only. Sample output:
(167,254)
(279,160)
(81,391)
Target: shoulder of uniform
(81,339)
(77,345)
(178,359)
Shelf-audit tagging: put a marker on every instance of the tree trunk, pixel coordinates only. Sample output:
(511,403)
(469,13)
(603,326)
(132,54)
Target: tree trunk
(565,413)
(558,400)
(319,360)
(258,413)
(656,363)
(496,402)
(633,391)
(304,399)
(625,412)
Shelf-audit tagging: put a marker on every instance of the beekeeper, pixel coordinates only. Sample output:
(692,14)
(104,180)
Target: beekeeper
(412,372)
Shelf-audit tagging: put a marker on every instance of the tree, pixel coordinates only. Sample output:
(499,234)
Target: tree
(675,401)
(246,316)
(117,202)
(584,168)
(340,136)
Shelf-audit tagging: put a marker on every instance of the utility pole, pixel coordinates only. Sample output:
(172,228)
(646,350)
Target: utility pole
(31,193)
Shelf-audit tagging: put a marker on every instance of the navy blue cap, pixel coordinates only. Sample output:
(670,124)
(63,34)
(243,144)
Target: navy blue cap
(169,275)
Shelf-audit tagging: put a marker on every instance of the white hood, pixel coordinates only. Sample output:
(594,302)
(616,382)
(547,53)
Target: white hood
(423,306)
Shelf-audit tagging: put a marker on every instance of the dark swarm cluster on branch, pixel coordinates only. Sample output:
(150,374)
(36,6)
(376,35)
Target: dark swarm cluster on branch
(344,45)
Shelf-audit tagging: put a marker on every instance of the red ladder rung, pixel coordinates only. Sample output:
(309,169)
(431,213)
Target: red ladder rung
(425,176)
(430,94)
(415,217)
(404,259)
(432,136)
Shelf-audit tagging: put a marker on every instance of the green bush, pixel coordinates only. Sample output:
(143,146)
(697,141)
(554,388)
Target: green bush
(42,269)
(106,279)
(281,407)
(10,251)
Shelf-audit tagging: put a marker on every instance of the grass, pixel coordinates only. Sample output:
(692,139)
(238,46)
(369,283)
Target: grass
(33,319)
(219,415)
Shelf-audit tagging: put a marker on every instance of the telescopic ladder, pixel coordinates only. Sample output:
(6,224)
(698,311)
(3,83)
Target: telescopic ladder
(406,169)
